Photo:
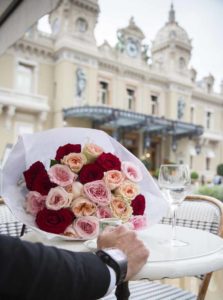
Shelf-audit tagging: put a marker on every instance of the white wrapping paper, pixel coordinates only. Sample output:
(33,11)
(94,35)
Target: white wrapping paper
(42,146)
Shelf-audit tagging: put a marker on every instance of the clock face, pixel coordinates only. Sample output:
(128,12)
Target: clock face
(132,48)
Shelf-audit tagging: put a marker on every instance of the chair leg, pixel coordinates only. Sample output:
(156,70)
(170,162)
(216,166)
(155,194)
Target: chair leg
(122,291)
(23,230)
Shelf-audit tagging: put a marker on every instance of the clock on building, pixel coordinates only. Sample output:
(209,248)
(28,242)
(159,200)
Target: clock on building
(132,48)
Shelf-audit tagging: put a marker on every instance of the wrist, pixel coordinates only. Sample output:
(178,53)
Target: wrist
(117,260)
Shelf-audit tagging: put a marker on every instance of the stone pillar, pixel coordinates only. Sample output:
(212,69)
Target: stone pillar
(10,112)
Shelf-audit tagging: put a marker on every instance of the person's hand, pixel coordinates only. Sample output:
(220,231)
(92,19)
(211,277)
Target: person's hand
(127,241)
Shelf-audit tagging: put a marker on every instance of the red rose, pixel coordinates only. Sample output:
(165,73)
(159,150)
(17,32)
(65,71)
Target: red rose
(108,161)
(54,221)
(67,149)
(138,205)
(37,179)
(90,172)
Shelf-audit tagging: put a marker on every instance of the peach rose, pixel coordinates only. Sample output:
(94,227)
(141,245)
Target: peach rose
(74,161)
(131,171)
(121,208)
(61,175)
(83,207)
(77,189)
(70,232)
(34,202)
(113,179)
(128,190)
(58,198)
(92,151)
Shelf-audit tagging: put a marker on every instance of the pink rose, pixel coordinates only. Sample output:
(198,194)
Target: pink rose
(92,151)
(75,161)
(83,207)
(121,208)
(77,189)
(61,175)
(139,222)
(98,192)
(128,190)
(86,227)
(58,198)
(113,179)
(104,212)
(34,202)
(131,171)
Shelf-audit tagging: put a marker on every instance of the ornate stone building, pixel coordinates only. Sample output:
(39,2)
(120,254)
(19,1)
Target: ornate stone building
(154,106)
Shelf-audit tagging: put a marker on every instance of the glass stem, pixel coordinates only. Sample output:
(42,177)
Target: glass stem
(174,224)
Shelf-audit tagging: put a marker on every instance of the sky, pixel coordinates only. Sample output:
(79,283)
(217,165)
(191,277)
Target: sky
(202,19)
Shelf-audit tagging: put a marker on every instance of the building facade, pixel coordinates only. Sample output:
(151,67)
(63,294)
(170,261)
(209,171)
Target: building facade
(154,106)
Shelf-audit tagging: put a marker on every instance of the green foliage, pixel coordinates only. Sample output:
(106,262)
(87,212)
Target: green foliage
(156,173)
(213,191)
(194,175)
(220,170)
(53,162)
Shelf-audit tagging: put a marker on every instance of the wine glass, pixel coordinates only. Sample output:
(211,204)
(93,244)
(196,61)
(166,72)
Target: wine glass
(174,181)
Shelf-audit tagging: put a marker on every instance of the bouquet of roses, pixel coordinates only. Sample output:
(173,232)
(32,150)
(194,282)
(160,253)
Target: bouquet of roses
(82,185)
(71,182)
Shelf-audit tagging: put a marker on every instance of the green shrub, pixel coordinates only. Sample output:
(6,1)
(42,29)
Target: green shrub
(213,191)
(156,173)
(194,175)
(220,170)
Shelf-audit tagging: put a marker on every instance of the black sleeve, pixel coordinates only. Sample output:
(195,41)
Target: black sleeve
(37,272)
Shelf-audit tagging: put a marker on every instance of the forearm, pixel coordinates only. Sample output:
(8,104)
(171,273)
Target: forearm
(32,271)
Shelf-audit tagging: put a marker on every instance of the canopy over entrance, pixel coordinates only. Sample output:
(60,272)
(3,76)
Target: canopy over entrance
(118,119)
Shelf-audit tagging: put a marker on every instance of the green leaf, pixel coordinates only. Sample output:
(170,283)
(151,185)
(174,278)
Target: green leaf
(53,162)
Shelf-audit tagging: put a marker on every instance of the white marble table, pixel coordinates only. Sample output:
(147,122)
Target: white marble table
(203,254)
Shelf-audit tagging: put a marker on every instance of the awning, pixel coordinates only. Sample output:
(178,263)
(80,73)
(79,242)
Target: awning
(17,16)
(124,120)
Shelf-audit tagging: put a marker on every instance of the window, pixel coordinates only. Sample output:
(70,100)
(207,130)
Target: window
(25,78)
(208,163)
(154,105)
(131,99)
(103,92)
(182,63)
(82,25)
(208,119)
(192,114)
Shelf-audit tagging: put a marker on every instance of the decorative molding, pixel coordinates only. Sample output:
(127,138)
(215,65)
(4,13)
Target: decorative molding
(134,75)
(33,50)
(108,66)
(87,5)
(75,57)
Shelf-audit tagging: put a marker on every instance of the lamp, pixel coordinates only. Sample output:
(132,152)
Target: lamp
(174,144)
(198,148)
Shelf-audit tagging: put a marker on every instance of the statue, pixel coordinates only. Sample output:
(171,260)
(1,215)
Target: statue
(145,49)
(121,42)
(80,83)
(180,108)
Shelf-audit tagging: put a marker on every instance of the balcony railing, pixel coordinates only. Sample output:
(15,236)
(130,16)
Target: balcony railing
(26,101)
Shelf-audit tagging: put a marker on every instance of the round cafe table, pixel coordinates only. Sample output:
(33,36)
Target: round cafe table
(202,254)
